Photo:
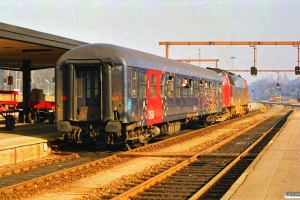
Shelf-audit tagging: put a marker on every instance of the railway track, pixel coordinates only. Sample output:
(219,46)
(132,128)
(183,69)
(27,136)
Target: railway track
(37,176)
(41,178)
(206,175)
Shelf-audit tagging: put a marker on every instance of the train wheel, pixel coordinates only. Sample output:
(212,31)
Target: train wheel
(51,118)
(127,146)
(170,128)
(178,127)
(206,124)
(39,117)
(29,118)
(9,122)
(21,116)
(144,144)
(126,142)
(164,129)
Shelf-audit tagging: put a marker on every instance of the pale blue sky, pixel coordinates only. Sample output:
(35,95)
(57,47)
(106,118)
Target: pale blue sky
(142,24)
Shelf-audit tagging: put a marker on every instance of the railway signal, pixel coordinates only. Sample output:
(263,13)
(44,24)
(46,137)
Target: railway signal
(297,70)
(278,85)
(253,71)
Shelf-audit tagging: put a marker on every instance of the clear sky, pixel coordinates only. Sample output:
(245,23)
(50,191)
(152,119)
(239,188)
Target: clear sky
(142,24)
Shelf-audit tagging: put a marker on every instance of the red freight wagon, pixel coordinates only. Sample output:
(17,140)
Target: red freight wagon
(39,110)
(8,107)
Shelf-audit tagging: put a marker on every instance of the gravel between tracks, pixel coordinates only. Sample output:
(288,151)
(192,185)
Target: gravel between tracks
(102,182)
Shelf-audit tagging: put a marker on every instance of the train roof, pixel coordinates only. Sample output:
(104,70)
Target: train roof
(235,79)
(129,57)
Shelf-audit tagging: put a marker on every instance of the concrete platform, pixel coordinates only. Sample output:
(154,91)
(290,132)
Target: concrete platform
(276,170)
(26,142)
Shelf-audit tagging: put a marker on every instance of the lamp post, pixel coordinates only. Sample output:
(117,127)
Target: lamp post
(278,85)
(232,57)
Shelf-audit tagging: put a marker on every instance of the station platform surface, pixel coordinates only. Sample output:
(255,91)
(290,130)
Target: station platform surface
(26,142)
(275,173)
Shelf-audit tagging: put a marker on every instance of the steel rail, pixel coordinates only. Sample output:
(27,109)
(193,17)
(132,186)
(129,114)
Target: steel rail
(214,180)
(33,165)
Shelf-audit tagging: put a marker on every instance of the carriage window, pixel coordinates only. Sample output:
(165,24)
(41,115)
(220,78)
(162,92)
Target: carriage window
(142,85)
(211,88)
(170,87)
(196,86)
(202,83)
(191,90)
(133,84)
(96,84)
(80,84)
(185,85)
(214,89)
(206,84)
(185,82)
(178,87)
(162,85)
(202,86)
(152,86)
(88,84)
(217,89)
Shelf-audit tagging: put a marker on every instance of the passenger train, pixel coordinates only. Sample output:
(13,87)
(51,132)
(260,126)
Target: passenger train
(111,94)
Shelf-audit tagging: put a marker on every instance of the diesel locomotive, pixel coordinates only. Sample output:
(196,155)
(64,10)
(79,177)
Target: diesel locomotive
(114,95)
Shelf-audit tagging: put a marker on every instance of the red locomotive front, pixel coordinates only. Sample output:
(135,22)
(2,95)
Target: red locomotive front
(235,94)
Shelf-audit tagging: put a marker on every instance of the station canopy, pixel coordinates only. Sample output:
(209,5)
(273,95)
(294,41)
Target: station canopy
(19,44)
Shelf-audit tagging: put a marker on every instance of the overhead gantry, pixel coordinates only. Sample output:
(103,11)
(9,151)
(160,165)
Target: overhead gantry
(249,43)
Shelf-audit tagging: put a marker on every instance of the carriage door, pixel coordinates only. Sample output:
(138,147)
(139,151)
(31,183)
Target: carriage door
(87,93)
(154,100)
